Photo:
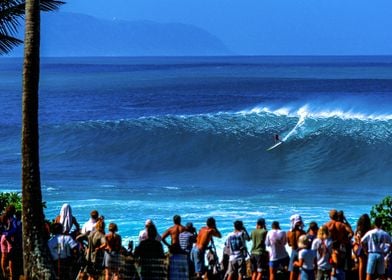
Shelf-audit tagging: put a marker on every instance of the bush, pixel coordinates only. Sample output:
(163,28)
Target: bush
(384,211)
(14,198)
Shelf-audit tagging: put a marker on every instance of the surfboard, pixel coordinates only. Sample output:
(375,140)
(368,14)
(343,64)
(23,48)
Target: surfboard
(274,146)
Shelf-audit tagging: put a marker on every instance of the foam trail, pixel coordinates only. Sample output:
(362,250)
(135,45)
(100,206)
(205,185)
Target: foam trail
(302,112)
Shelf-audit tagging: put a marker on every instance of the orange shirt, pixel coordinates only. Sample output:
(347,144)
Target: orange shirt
(204,237)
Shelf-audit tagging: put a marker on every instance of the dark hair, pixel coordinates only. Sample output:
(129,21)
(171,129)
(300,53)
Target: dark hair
(57,228)
(10,210)
(94,214)
(211,222)
(238,225)
(261,222)
(177,219)
(152,231)
(333,214)
(113,227)
(363,224)
(340,216)
(275,225)
(313,226)
(378,222)
(189,227)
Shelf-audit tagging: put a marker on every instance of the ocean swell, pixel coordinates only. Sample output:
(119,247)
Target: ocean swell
(320,147)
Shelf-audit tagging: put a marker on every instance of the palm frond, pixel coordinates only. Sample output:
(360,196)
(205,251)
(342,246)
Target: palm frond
(7,43)
(11,14)
(11,11)
(50,5)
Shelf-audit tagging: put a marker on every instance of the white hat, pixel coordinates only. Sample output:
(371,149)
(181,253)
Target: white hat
(294,220)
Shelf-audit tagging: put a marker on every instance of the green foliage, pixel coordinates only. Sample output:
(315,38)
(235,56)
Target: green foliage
(384,210)
(14,198)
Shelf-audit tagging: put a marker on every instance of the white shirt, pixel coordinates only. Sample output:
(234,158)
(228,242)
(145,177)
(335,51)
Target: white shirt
(60,246)
(236,242)
(89,226)
(276,241)
(323,248)
(308,256)
(377,241)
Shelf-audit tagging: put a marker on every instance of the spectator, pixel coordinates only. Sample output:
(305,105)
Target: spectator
(278,258)
(63,248)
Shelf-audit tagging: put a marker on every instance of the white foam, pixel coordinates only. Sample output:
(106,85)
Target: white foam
(306,110)
(171,188)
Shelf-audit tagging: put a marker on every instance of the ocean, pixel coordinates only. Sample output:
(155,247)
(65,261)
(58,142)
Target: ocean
(151,137)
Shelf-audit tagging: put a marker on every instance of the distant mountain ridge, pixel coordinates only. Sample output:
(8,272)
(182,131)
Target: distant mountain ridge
(71,34)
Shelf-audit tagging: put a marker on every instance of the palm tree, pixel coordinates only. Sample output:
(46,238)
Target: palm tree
(36,256)
(11,14)
(37,264)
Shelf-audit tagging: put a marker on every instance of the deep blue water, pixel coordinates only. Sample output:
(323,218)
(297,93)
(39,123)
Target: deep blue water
(140,138)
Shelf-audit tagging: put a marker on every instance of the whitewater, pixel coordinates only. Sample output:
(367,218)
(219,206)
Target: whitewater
(139,138)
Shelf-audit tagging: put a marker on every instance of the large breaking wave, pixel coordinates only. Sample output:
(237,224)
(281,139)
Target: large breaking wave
(323,147)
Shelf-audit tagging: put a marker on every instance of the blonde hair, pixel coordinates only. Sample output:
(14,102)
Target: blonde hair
(323,232)
(100,225)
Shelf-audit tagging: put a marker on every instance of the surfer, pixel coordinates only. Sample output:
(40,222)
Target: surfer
(278,142)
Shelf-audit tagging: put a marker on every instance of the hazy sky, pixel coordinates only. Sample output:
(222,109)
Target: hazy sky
(267,26)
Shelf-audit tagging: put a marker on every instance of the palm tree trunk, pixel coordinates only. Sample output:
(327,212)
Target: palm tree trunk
(37,264)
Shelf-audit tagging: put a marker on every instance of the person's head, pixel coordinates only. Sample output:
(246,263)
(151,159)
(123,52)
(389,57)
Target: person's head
(148,222)
(189,227)
(10,211)
(57,228)
(296,222)
(313,227)
(275,225)
(94,214)
(100,225)
(66,209)
(340,216)
(113,227)
(211,222)
(238,225)
(260,223)
(177,219)
(303,242)
(152,232)
(378,222)
(333,214)
(323,232)
(364,224)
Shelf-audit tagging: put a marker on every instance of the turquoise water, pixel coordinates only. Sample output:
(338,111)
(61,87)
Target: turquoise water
(139,138)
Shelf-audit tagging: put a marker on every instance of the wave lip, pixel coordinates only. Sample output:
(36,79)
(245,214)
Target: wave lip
(307,111)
